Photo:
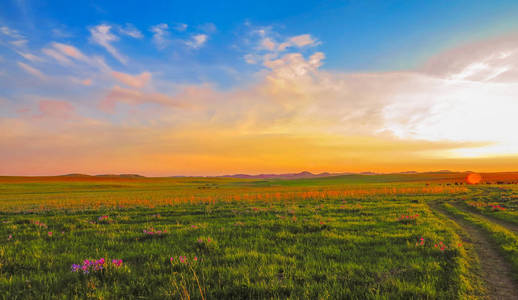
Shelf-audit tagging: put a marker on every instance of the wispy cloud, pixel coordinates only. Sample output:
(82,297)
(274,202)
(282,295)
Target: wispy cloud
(134,97)
(135,81)
(18,43)
(101,35)
(197,41)
(62,59)
(63,52)
(265,44)
(160,35)
(11,32)
(58,109)
(31,70)
(180,27)
(70,51)
(299,41)
(29,56)
(85,82)
(208,27)
(130,30)
(61,33)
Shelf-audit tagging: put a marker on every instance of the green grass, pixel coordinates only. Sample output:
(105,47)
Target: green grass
(506,196)
(316,247)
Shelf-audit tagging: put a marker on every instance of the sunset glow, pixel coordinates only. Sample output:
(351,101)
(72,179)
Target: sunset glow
(226,89)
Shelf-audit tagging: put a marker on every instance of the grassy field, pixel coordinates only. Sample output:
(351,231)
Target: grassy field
(347,237)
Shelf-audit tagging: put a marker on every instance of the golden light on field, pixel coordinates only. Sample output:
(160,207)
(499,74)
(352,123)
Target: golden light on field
(473,178)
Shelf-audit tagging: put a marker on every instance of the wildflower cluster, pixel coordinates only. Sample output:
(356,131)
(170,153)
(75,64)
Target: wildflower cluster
(90,266)
(183,260)
(441,246)
(259,209)
(103,219)
(38,223)
(152,231)
(497,207)
(494,206)
(408,217)
(204,241)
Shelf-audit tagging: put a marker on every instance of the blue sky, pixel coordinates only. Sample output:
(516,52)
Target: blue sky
(340,77)
(354,35)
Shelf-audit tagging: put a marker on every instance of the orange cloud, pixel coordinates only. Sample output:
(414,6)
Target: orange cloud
(136,81)
(134,97)
(55,109)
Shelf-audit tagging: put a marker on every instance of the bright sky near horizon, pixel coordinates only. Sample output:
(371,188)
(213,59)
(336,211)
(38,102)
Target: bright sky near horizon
(218,87)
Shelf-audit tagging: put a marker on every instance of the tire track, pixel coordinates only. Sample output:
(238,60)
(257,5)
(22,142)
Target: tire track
(497,274)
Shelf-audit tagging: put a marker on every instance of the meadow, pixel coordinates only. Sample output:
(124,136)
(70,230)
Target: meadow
(346,237)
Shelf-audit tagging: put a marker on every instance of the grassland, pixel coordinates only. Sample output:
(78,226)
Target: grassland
(347,237)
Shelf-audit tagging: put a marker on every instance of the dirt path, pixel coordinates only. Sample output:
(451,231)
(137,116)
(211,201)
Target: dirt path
(508,225)
(496,271)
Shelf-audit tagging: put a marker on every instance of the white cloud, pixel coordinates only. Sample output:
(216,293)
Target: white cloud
(160,35)
(197,41)
(130,30)
(31,70)
(101,35)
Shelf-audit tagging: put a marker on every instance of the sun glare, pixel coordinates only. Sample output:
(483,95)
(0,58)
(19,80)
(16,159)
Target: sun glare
(473,178)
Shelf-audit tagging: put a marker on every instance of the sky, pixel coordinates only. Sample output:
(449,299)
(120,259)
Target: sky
(167,88)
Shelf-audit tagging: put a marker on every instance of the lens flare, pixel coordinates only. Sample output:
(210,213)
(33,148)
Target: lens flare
(473,178)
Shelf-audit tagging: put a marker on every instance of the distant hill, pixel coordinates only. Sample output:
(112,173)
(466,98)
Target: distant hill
(74,175)
(304,174)
(442,172)
(121,175)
